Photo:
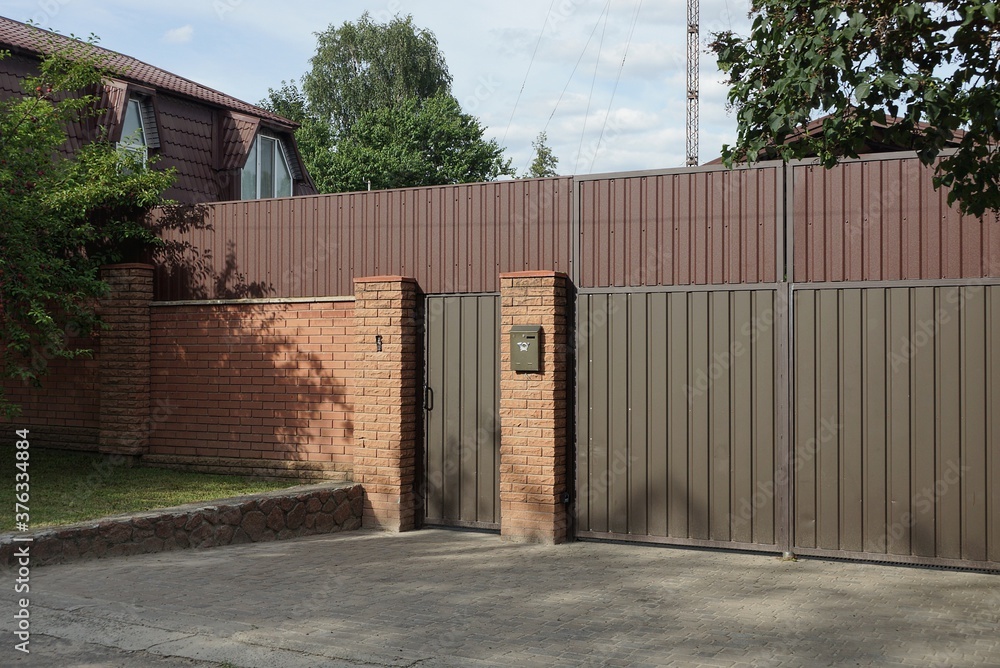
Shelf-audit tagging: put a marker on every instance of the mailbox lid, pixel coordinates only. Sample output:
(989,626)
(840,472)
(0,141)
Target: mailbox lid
(525,329)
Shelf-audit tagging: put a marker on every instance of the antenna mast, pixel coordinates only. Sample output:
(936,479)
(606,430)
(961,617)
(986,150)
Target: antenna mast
(692,81)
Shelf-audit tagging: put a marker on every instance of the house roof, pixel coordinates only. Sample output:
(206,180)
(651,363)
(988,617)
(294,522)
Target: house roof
(876,143)
(814,128)
(20,37)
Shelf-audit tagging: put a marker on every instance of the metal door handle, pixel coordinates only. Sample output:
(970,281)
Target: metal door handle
(428,398)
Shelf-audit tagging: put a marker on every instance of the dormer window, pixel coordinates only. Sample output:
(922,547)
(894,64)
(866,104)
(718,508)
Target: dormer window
(139,131)
(266,173)
(133,129)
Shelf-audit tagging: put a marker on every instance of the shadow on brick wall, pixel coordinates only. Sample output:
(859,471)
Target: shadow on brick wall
(266,383)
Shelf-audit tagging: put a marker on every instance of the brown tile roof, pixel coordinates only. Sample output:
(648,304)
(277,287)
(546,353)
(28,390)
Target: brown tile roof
(874,144)
(17,36)
(814,128)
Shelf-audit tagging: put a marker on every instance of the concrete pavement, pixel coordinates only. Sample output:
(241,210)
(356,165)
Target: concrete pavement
(444,598)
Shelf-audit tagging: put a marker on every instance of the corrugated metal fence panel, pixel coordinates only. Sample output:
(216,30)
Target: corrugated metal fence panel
(462,467)
(452,239)
(882,220)
(897,422)
(706,227)
(676,429)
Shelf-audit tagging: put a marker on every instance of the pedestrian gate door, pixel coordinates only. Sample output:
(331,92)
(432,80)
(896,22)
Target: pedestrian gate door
(462,403)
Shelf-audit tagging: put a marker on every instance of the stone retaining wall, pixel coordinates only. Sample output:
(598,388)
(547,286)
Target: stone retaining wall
(275,516)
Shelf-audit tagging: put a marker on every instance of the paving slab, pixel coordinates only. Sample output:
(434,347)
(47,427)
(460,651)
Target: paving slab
(451,598)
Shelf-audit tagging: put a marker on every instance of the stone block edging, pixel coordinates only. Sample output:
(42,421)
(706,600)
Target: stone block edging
(288,513)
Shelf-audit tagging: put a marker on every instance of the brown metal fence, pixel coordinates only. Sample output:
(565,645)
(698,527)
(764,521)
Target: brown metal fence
(682,227)
(877,366)
(896,423)
(680,342)
(452,239)
(894,371)
(880,219)
(738,337)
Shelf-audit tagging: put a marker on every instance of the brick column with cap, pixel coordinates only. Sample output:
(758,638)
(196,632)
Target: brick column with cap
(124,360)
(534,411)
(387,401)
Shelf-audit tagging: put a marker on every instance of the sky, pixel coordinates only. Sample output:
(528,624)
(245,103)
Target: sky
(605,79)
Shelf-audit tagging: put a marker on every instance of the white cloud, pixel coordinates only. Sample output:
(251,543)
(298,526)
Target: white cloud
(181,35)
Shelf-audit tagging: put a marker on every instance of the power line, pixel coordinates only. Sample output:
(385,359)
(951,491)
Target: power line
(573,73)
(606,14)
(607,115)
(576,66)
(530,63)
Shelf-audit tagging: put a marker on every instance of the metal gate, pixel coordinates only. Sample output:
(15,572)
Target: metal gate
(813,368)
(462,404)
(678,431)
(897,423)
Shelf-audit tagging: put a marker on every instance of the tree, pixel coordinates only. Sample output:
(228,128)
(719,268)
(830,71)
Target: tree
(926,70)
(314,136)
(544,163)
(417,142)
(376,108)
(62,216)
(365,66)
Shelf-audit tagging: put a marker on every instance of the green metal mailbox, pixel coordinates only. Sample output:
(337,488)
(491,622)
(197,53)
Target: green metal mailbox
(525,347)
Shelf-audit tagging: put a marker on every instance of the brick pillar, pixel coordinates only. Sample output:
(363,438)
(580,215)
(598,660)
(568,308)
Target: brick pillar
(387,401)
(534,411)
(124,360)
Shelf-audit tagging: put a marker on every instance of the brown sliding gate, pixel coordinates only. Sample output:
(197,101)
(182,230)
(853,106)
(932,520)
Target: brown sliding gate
(789,359)
(896,425)
(679,439)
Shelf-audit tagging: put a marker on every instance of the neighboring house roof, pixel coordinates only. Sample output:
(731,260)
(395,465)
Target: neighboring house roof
(18,36)
(205,135)
(876,143)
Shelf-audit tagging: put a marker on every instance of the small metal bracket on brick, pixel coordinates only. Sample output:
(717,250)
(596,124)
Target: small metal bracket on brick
(378,343)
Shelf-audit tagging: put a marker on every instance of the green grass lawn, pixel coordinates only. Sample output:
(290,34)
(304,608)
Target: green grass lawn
(68,487)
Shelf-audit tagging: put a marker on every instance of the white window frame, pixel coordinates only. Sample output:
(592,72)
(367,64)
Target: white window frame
(279,153)
(140,148)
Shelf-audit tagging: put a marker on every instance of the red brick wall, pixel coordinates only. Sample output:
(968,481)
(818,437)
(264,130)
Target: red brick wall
(534,420)
(124,363)
(65,411)
(388,385)
(254,381)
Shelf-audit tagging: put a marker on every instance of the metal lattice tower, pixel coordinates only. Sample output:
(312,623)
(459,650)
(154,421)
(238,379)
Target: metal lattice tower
(692,81)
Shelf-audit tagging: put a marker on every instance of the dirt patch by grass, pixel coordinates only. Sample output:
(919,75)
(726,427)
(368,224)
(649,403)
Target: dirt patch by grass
(67,487)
